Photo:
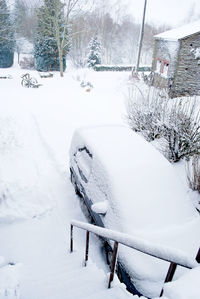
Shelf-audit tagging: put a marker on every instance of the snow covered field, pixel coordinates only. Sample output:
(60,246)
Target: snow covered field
(37,200)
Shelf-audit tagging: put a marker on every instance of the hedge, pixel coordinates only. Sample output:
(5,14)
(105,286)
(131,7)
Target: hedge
(120,68)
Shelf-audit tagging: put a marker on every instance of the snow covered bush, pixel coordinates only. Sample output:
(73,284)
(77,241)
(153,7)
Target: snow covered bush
(146,113)
(181,130)
(120,68)
(94,54)
(193,173)
(175,122)
(27,63)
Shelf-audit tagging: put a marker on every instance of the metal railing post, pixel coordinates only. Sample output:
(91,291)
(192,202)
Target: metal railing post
(198,256)
(71,238)
(87,247)
(170,274)
(114,259)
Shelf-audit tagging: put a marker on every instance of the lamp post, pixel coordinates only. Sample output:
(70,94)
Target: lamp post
(140,39)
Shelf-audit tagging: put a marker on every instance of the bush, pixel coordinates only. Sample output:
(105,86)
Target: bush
(120,68)
(181,130)
(27,63)
(177,123)
(193,177)
(144,116)
(193,173)
(6,58)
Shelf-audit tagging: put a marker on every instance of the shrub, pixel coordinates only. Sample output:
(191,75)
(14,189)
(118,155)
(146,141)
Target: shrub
(193,173)
(119,68)
(177,122)
(181,130)
(193,177)
(146,114)
(27,63)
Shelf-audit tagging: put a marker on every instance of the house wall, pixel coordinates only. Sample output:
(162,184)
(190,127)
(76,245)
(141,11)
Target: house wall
(166,51)
(187,76)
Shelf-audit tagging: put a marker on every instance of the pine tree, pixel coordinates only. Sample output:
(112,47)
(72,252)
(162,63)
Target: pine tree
(50,32)
(6,37)
(94,54)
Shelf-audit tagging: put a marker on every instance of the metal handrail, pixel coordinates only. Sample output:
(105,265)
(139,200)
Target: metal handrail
(177,257)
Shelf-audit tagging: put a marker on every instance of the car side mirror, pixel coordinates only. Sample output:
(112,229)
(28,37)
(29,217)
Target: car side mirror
(100,207)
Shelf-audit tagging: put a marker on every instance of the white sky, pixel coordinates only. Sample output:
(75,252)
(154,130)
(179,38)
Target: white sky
(171,12)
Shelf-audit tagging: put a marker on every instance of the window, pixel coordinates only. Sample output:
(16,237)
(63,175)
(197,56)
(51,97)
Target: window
(158,65)
(162,67)
(165,69)
(83,159)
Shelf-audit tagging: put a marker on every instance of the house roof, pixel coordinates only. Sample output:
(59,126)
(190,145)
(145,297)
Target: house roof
(180,32)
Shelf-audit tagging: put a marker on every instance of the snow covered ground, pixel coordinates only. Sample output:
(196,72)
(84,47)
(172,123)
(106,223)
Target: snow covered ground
(36,196)
(37,200)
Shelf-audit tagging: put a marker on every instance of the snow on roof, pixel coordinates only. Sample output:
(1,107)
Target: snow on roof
(180,32)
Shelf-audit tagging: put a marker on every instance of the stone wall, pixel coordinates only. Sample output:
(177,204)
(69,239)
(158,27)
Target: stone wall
(186,80)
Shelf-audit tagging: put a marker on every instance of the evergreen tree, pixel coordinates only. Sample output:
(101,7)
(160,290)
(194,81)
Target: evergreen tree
(50,32)
(94,55)
(6,36)
(20,13)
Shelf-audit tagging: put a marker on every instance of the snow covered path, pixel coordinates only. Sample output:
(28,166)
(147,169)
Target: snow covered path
(36,129)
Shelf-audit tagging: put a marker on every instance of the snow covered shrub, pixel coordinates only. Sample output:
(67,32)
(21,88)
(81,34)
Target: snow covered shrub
(145,113)
(86,84)
(27,63)
(193,173)
(177,122)
(181,130)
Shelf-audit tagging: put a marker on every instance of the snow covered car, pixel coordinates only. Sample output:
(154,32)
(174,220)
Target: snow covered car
(128,186)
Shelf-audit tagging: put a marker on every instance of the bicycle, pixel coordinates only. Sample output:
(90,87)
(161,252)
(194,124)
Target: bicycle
(27,81)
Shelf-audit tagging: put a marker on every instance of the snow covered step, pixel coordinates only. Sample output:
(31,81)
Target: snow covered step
(57,267)
(64,273)
(58,286)
(81,283)
(68,276)
(116,292)
(70,280)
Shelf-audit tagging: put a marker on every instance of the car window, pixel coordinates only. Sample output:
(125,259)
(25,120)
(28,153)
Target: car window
(83,159)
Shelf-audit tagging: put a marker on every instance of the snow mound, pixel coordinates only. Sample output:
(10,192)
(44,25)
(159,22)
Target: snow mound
(9,281)
(24,190)
(185,287)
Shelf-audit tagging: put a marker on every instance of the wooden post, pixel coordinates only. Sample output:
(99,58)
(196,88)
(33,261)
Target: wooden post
(87,247)
(71,238)
(170,274)
(114,259)
(198,256)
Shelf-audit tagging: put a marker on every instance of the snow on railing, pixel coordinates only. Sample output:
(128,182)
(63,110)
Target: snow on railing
(162,252)
(173,256)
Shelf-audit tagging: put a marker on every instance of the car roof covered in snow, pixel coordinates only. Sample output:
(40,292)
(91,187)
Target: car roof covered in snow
(180,32)
(142,182)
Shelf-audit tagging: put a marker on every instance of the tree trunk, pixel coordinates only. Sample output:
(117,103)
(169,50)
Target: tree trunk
(61,64)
